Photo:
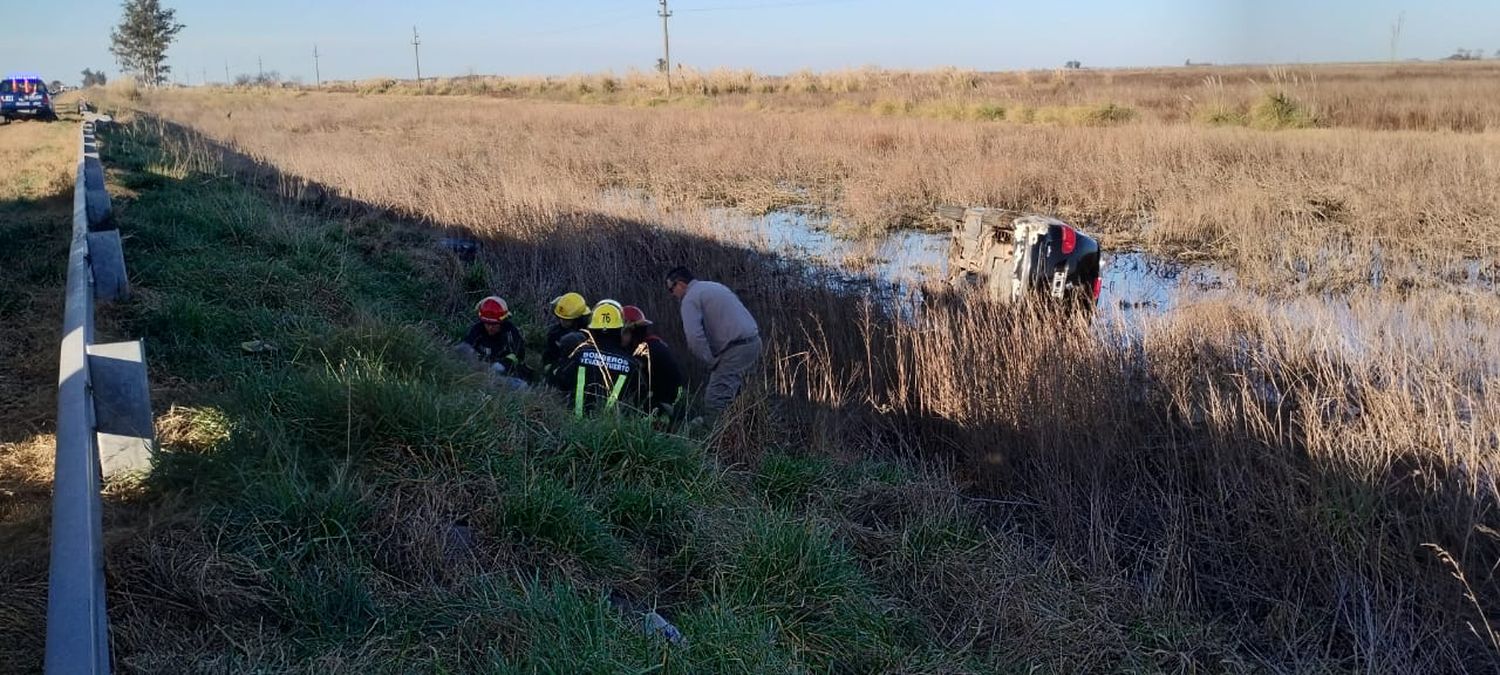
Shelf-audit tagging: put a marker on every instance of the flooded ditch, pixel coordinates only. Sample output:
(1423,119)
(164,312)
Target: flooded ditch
(898,264)
(894,268)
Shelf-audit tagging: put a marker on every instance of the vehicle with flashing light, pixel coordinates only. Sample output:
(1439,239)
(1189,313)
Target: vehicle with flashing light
(25,96)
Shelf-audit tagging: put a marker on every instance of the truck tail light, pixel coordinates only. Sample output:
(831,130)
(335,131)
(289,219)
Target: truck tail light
(1069,240)
(1098,285)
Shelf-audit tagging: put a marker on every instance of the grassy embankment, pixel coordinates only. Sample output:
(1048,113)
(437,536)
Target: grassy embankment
(37,163)
(1276,468)
(1246,486)
(304,512)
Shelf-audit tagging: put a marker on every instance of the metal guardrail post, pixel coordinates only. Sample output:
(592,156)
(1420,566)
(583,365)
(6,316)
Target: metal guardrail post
(102,404)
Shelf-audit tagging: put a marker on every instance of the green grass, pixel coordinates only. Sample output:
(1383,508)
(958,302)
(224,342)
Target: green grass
(338,466)
(1280,110)
(787,480)
(360,500)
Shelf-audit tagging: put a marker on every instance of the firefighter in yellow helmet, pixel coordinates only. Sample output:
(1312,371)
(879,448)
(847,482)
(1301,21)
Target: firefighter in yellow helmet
(600,369)
(572,313)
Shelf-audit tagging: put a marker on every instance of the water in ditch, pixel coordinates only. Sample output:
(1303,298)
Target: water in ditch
(1134,283)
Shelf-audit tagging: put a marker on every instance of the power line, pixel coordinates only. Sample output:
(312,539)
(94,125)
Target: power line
(1396,33)
(765,5)
(620,17)
(569,29)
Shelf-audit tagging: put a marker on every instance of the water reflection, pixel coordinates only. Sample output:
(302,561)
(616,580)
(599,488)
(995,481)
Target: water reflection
(897,264)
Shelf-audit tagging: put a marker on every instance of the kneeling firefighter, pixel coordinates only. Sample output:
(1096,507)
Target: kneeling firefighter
(494,340)
(572,313)
(665,395)
(600,368)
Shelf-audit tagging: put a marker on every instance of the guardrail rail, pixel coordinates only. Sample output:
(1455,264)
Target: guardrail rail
(104,424)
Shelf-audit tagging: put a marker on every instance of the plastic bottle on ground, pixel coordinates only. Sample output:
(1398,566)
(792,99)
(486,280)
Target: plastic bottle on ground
(656,625)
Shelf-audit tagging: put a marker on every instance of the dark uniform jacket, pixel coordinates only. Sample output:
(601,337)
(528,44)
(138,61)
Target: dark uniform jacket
(501,346)
(663,379)
(561,341)
(599,370)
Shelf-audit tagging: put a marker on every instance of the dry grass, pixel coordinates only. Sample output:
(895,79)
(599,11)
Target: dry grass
(37,162)
(1443,96)
(37,159)
(1241,485)
(1319,208)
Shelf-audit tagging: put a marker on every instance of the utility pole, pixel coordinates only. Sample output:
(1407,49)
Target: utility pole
(260,70)
(317,70)
(416,50)
(227,81)
(205,77)
(1396,34)
(666,46)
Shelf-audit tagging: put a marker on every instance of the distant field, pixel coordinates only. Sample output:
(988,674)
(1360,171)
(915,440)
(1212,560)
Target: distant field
(1447,96)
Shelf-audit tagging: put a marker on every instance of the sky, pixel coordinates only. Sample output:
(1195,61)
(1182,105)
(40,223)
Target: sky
(371,38)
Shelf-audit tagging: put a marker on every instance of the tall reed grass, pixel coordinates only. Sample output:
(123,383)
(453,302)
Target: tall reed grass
(1321,210)
(1283,472)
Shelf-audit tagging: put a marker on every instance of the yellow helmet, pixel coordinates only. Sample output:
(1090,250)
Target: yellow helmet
(606,316)
(570,306)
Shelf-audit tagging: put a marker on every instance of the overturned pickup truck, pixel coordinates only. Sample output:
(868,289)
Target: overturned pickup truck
(1017,257)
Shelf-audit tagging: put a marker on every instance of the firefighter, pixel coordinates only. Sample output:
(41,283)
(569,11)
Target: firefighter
(572,313)
(662,382)
(599,369)
(493,339)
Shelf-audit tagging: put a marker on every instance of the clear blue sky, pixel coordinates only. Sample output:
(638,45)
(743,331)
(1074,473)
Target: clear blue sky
(372,37)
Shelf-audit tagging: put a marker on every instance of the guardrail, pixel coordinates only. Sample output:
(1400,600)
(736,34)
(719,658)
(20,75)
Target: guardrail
(104,425)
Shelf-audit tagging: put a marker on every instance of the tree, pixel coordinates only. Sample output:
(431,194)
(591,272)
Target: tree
(141,40)
(93,79)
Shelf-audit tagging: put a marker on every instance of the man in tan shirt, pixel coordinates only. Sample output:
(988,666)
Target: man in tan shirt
(720,332)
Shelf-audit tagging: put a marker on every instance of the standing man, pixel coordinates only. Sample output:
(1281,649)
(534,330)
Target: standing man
(720,332)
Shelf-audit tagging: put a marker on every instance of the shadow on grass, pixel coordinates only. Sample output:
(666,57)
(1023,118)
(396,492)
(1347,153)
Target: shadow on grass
(359,479)
(34,237)
(357,499)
